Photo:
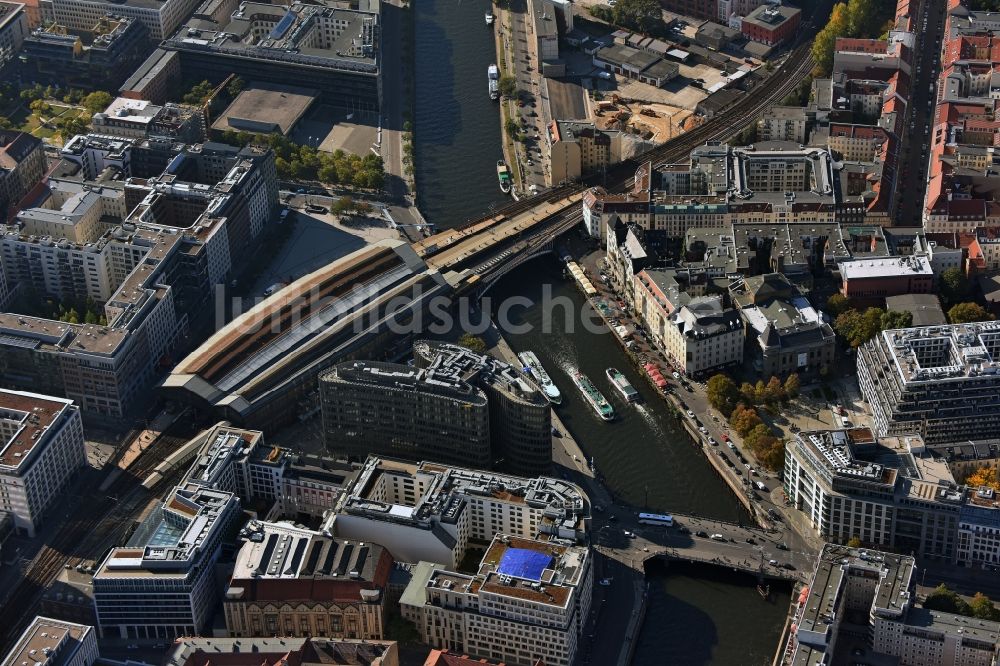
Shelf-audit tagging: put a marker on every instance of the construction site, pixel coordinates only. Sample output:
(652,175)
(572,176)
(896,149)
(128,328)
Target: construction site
(652,121)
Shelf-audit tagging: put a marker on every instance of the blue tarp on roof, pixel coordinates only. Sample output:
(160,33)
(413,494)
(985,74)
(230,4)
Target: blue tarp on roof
(283,25)
(524,563)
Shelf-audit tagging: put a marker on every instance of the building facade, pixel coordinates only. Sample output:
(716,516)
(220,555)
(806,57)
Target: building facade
(42,450)
(22,165)
(54,642)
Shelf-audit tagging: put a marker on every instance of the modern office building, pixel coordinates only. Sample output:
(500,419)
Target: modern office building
(867,598)
(41,448)
(22,165)
(430,512)
(938,381)
(53,642)
(528,601)
(99,58)
(160,17)
(402,411)
(788,334)
(291,581)
(333,50)
(307,651)
(13,30)
(885,491)
(161,584)
(881,277)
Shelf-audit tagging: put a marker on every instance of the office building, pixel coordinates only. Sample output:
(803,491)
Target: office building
(430,512)
(978,541)
(881,277)
(291,581)
(861,596)
(789,334)
(885,491)
(160,18)
(158,79)
(42,449)
(140,119)
(52,642)
(938,381)
(275,651)
(185,227)
(335,51)
(22,165)
(578,148)
(771,24)
(13,30)
(161,584)
(528,601)
(398,410)
(99,58)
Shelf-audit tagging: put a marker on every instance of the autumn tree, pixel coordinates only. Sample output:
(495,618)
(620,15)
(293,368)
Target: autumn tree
(744,419)
(896,319)
(792,386)
(948,601)
(472,342)
(643,16)
(774,391)
(97,101)
(837,304)
(963,313)
(984,476)
(982,608)
(854,542)
(722,393)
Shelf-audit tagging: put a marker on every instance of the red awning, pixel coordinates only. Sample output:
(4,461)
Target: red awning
(661,382)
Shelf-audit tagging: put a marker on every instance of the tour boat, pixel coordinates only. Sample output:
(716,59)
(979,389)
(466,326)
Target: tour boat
(594,397)
(533,367)
(622,385)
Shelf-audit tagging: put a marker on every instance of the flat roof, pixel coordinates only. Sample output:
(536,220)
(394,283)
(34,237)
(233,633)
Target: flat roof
(28,416)
(265,108)
(880,267)
(50,642)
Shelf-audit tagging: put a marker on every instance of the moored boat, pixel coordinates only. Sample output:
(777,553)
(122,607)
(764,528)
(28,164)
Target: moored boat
(594,397)
(490,18)
(622,384)
(503,175)
(533,367)
(493,76)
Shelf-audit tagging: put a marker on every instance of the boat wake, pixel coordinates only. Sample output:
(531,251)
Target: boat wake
(648,416)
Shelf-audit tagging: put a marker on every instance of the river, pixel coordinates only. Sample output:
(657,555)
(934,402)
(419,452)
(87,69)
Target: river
(457,138)
(695,615)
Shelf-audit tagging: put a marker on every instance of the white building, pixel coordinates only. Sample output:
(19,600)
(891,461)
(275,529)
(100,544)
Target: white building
(42,448)
(160,18)
(426,511)
(161,584)
(529,601)
(879,586)
(979,531)
(13,30)
(48,642)
(702,336)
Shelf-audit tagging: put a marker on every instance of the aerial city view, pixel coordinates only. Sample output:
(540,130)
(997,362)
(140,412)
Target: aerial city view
(499,332)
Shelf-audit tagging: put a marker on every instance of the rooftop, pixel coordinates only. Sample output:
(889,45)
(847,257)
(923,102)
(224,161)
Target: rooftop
(280,651)
(880,267)
(266,108)
(956,352)
(771,16)
(48,642)
(534,571)
(25,418)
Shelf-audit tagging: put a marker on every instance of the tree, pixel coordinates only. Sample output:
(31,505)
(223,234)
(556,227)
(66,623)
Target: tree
(896,319)
(772,455)
(854,542)
(753,438)
(792,386)
(199,93)
(837,305)
(963,313)
(5,123)
(507,86)
(73,126)
(954,285)
(643,16)
(748,393)
(473,342)
(722,394)
(40,107)
(858,328)
(744,419)
(774,391)
(943,599)
(511,127)
(983,608)
(235,86)
(97,101)
(984,476)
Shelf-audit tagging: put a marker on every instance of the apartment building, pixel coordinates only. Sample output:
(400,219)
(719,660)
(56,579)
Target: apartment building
(529,601)
(160,19)
(101,57)
(53,643)
(882,490)
(578,148)
(854,583)
(139,119)
(784,123)
(291,581)
(703,336)
(42,449)
(22,165)
(13,30)
(856,143)
(978,541)
(789,334)
(881,277)
(938,381)
(771,24)
(161,584)
(428,511)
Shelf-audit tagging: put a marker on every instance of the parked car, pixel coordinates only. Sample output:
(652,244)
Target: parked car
(701,533)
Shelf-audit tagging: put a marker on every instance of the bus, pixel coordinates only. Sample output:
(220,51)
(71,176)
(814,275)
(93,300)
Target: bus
(656,519)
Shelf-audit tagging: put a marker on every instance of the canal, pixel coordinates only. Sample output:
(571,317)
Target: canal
(695,615)
(457,138)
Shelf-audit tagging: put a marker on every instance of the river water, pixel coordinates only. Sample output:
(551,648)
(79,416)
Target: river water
(695,615)
(457,138)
